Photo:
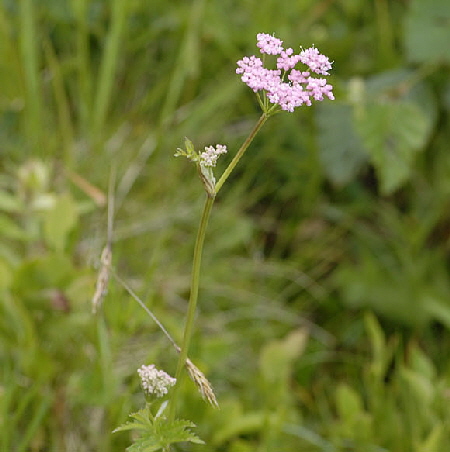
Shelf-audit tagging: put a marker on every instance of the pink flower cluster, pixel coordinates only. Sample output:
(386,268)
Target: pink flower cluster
(299,87)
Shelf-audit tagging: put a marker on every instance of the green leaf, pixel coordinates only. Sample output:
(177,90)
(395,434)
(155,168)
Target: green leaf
(341,149)
(392,132)
(158,433)
(164,433)
(427,31)
(59,221)
(142,421)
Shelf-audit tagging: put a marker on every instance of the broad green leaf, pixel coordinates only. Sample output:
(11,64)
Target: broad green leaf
(392,132)
(59,221)
(427,31)
(341,150)
(402,85)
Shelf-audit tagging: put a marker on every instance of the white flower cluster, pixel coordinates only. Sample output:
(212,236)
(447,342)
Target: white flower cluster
(155,381)
(210,155)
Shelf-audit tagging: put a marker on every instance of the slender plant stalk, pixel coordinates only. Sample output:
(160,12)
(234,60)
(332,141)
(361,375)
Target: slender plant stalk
(241,151)
(195,280)
(196,263)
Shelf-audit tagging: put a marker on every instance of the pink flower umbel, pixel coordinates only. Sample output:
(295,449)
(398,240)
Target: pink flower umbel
(285,86)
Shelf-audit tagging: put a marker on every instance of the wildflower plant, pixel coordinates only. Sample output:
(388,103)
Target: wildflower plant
(292,83)
(157,432)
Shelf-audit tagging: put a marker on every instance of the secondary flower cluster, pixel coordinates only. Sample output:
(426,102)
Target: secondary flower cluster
(207,158)
(210,155)
(155,381)
(299,88)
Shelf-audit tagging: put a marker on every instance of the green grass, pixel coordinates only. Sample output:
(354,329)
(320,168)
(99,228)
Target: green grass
(323,312)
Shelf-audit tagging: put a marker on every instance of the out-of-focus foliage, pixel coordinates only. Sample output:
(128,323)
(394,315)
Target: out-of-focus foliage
(335,210)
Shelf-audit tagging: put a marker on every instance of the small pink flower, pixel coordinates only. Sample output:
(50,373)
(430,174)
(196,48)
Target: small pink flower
(287,61)
(298,76)
(286,86)
(320,64)
(319,87)
(269,44)
(255,75)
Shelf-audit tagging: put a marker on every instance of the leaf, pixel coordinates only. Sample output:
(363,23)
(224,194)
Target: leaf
(164,433)
(392,132)
(59,221)
(341,149)
(427,31)
(142,421)
(158,433)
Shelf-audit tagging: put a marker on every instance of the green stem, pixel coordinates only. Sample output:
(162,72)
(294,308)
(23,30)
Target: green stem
(241,151)
(196,264)
(195,279)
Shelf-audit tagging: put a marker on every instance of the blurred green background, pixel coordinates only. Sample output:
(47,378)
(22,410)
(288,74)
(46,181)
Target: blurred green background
(324,308)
